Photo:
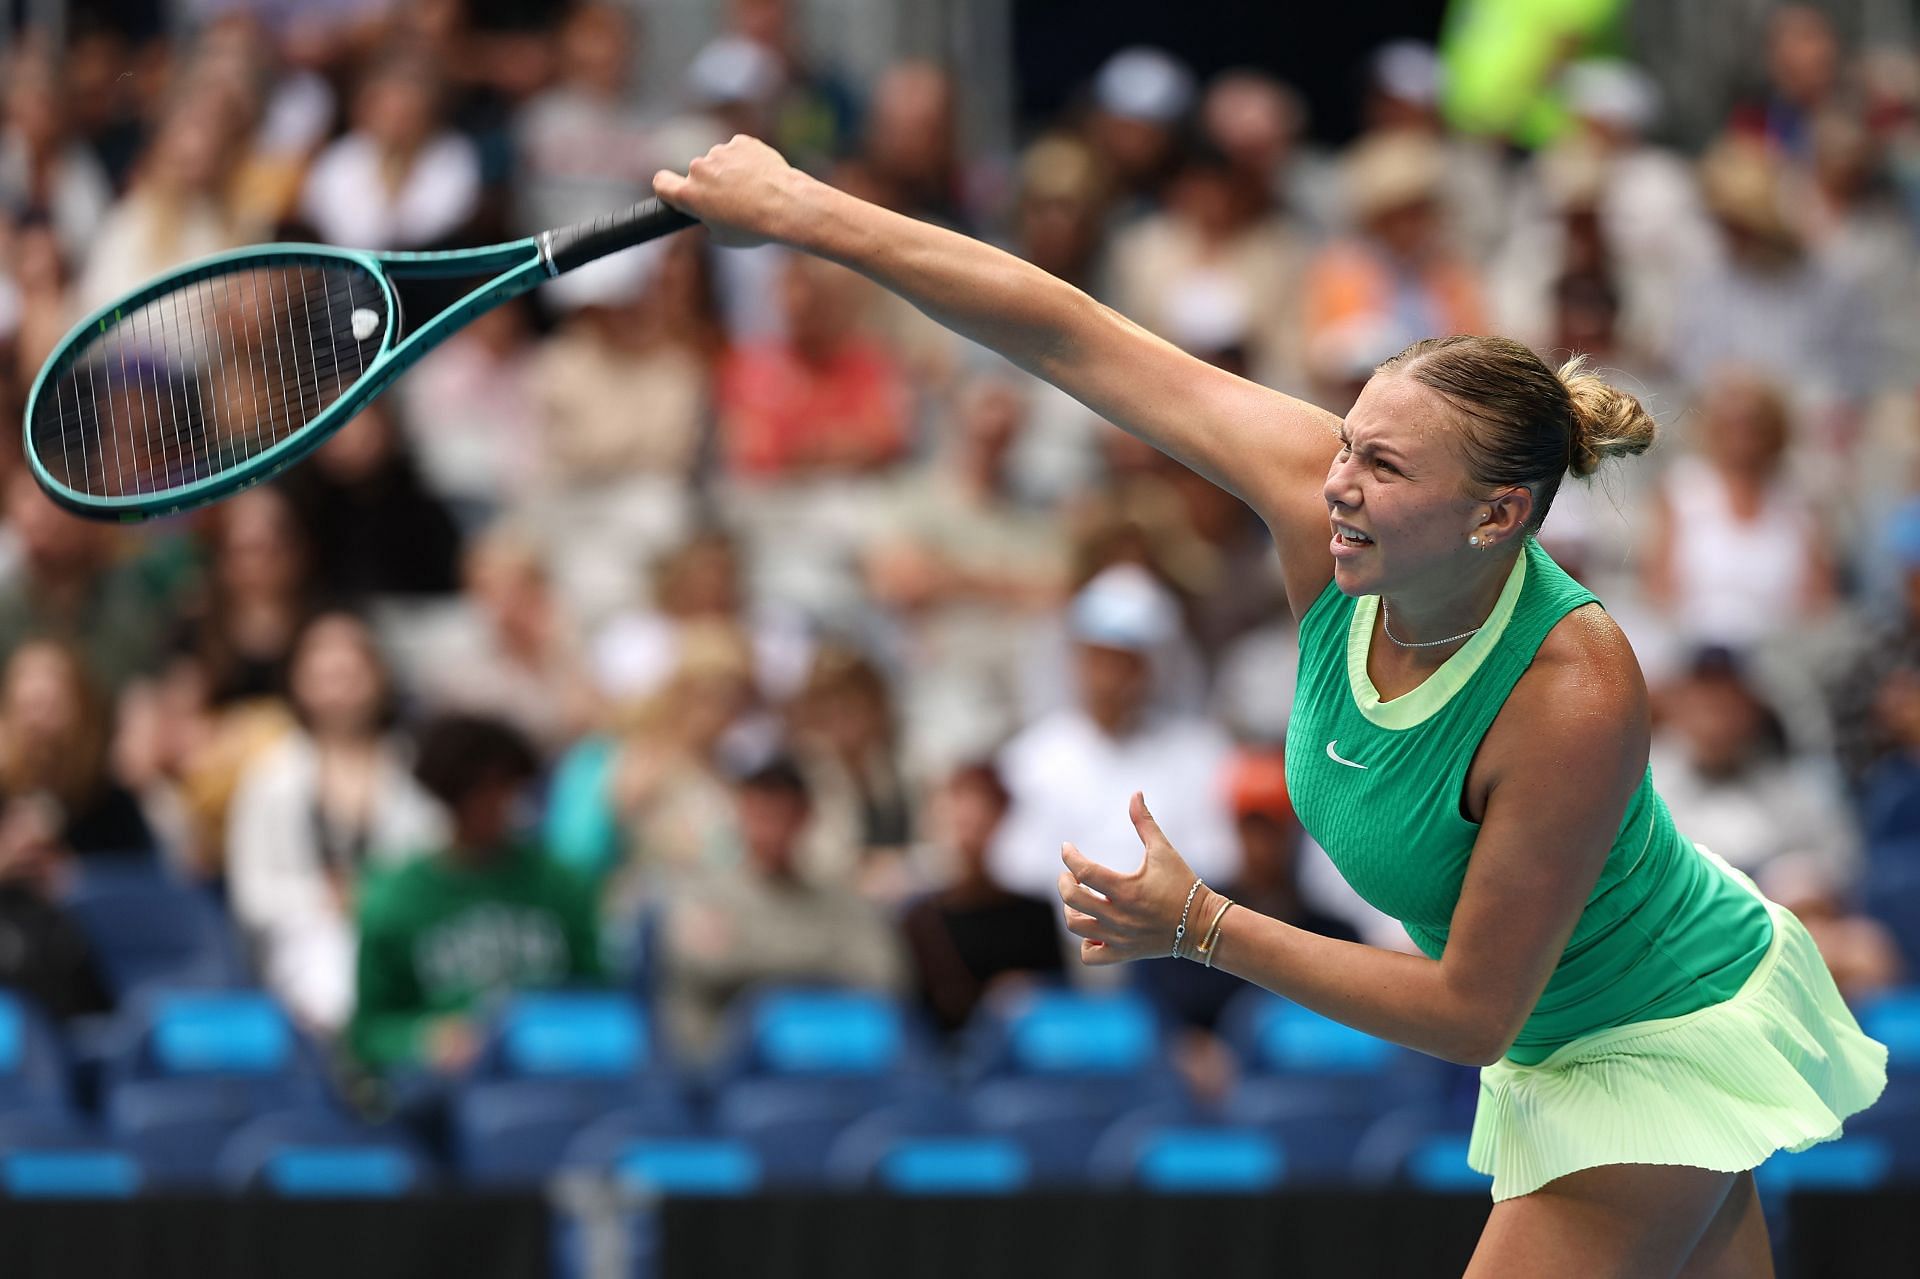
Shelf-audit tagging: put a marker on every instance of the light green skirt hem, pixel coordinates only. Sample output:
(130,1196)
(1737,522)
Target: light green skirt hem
(1778,1066)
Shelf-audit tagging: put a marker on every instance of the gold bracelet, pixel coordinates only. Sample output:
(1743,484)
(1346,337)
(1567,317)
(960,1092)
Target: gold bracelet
(1211,942)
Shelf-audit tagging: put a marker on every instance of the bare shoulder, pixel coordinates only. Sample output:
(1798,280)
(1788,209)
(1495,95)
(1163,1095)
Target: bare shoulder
(1582,704)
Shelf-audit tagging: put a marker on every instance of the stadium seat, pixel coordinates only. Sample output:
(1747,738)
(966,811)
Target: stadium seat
(553,1063)
(1849,1163)
(149,930)
(1054,1069)
(308,1153)
(1168,1149)
(687,1166)
(1421,1145)
(1343,1067)
(193,1066)
(800,1064)
(1893,1018)
(1319,1133)
(72,1172)
(33,1064)
(937,1131)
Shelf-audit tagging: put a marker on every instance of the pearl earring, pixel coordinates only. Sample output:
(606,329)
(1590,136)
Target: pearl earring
(1473,541)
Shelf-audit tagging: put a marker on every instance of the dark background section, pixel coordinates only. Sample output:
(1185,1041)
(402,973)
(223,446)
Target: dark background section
(1320,49)
(217,1237)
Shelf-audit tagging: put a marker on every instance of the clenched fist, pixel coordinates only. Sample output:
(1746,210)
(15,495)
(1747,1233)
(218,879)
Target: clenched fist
(742,190)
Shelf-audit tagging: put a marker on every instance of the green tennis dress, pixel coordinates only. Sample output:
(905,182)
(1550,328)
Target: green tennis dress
(1689,1021)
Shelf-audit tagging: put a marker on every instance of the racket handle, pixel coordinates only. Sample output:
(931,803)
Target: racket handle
(570,246)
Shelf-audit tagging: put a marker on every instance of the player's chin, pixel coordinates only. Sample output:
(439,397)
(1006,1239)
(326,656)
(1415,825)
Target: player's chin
(1357,577)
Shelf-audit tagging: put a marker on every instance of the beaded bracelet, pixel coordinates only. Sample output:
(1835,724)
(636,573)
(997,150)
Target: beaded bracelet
(1180,933)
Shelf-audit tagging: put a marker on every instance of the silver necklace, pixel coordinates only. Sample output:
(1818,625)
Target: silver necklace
(1386,624)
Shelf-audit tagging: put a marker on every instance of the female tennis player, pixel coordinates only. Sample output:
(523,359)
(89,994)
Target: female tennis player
(1468,742)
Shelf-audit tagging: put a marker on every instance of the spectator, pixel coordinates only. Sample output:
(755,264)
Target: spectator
(1762,299)
(1605,200)
(44,955)
(1217,272)
(258,593)
(1395,277)
(813,114)
(1141,98)
(1259,125)
(469,416)
(1733,552)
(177,206)
(1072,771)
(967,574)
(1861,952)
(972,935)
(489,913)
(1405,85)
(67,582)
(623,389)
(1888,642)
(1890,801)
(399,179)
(328,805)
(1803,79)
(909,160)
(845,741)
(373,526)
(44,170)
(514,651)
(1734,784)
(829,399)
(53,752)
(764,923)
(583,146)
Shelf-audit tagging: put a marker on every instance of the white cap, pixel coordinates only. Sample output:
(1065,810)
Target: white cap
(1410,71)
(1144,83)
(733,69)
(1611,92)
(1124,607)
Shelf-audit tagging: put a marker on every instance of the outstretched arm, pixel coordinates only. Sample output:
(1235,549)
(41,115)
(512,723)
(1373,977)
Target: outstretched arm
(1270,450)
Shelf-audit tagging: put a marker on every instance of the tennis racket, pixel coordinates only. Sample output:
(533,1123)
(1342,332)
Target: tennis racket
(222,373)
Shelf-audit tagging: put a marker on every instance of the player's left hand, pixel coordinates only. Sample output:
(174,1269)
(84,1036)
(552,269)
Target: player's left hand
(1130,915)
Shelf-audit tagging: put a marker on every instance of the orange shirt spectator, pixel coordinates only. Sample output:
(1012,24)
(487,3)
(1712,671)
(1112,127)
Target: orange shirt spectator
(825,398)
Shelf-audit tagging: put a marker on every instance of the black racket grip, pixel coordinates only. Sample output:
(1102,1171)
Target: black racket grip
(570,246)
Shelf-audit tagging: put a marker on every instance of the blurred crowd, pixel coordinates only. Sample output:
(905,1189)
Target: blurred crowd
(712,619)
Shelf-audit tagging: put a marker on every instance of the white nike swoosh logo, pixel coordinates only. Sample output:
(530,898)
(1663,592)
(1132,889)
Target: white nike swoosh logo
(1335,756)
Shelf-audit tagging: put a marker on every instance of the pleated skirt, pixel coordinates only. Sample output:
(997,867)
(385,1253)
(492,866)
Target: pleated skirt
(1778,1066)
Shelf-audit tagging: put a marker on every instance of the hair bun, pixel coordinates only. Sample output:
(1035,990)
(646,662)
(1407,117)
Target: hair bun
(1607,422)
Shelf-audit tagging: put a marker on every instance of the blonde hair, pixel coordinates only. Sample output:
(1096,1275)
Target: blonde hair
(1526,424)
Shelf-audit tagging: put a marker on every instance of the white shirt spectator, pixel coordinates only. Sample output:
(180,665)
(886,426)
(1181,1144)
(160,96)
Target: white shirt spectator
(279,878)
(1070,781)
(348,201)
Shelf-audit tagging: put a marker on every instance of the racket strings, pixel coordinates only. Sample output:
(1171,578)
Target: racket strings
(206,377)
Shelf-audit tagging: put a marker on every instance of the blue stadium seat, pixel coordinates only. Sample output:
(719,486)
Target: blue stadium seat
(1345,1068)
(863,1156)
(1848,1163)
(1176,1150)
(149,930)
(1055,1068)
(800,1064)
(1893,1018)
(687,1166)
(307,1154)
(33,1064)
(1420,1145)
(553,1063)
(71,1172)
(193,1066)
(1320,1133)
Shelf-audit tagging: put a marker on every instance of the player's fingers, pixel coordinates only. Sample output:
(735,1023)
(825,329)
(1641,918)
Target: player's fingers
(1097,954)
(1078,895)
(1081,924)
(1143,823)
(1102,879)
(668,185)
